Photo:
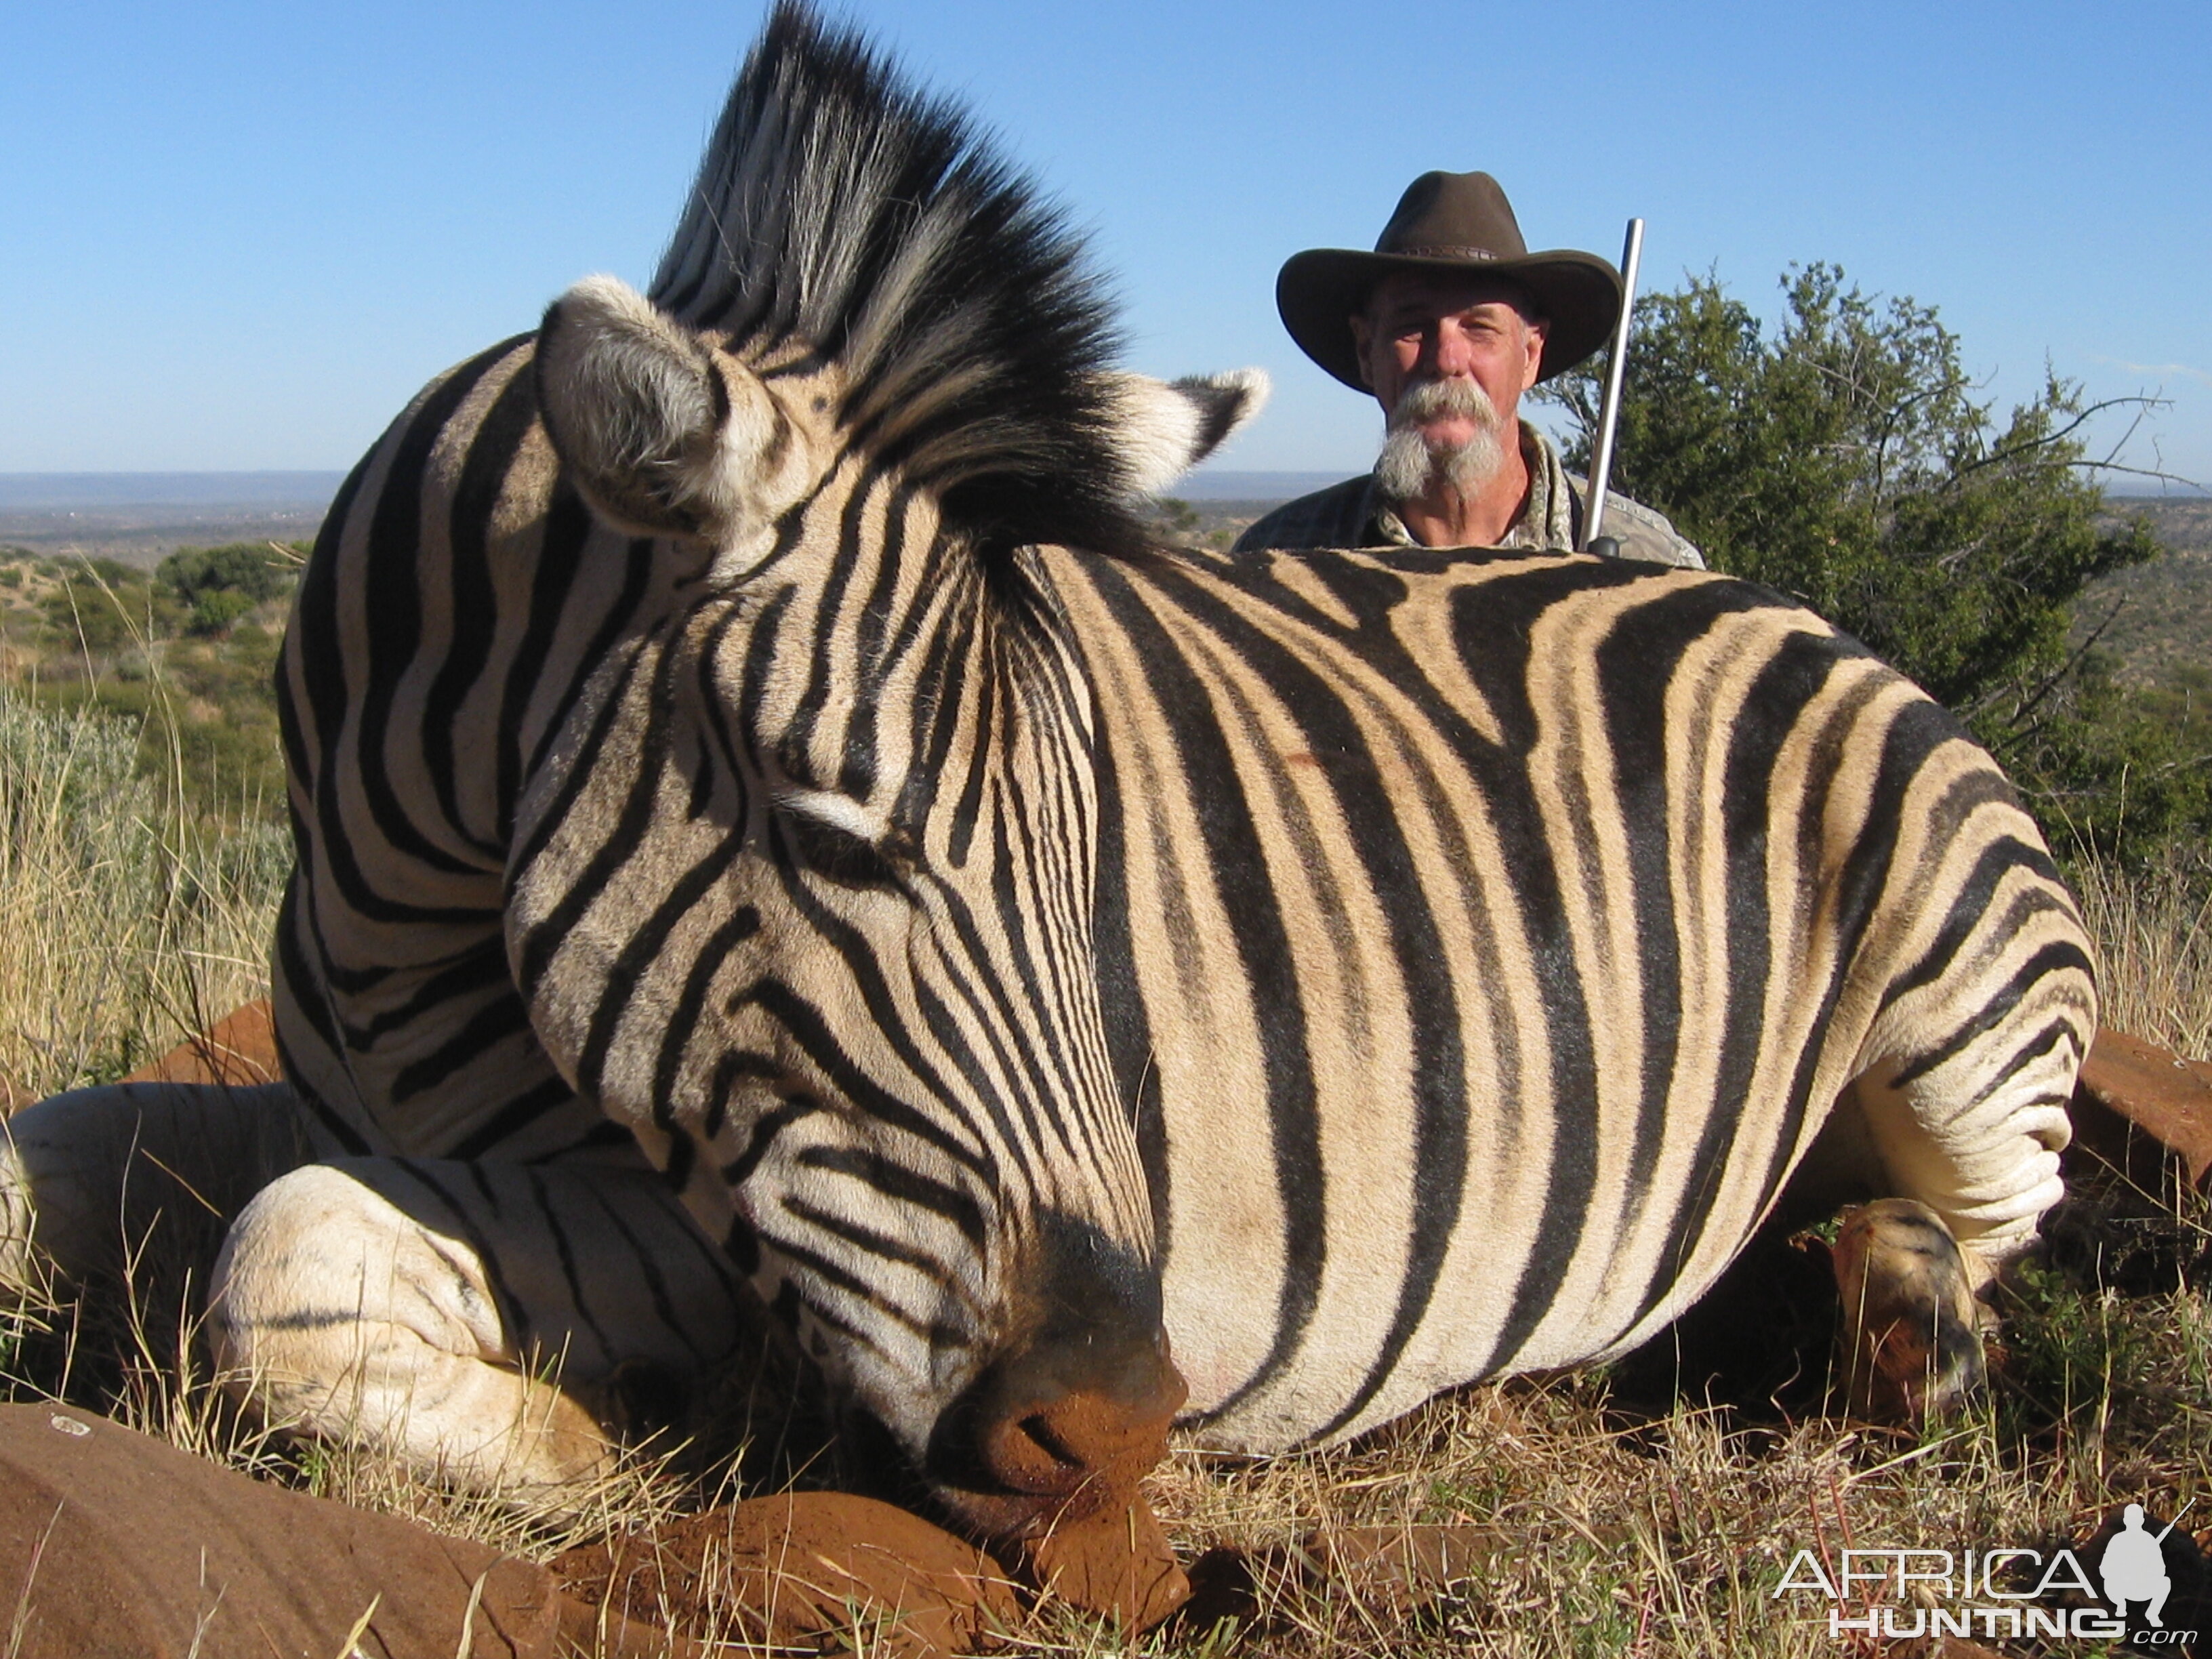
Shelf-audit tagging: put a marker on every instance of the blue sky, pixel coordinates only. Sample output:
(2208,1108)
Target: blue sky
(241,235)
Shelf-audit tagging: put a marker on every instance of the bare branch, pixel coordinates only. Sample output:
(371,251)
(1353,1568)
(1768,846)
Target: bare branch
(2201,488)
(2086,414)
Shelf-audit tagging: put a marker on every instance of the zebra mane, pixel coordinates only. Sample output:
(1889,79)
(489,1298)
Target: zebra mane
(841,213)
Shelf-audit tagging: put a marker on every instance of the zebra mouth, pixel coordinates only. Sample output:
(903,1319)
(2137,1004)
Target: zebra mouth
(1030,1448)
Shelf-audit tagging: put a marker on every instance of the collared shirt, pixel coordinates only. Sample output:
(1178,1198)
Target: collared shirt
(1354,514)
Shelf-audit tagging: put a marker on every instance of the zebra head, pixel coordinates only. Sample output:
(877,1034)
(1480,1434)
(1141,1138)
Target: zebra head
(802,893)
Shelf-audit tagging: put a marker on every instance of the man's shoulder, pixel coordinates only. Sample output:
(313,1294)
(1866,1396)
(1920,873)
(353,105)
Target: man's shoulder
(1335,517)
(1643,532)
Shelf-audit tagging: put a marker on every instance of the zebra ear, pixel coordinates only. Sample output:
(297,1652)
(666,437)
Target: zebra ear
(663,437)
(1166,427)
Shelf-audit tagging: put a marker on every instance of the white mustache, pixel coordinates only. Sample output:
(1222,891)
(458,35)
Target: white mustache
(1428,399)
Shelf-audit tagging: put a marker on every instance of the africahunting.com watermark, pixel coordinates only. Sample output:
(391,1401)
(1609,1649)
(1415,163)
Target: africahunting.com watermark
(1895,1592)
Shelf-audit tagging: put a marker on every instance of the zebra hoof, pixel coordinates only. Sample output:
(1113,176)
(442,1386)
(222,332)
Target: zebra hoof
(1910,1343)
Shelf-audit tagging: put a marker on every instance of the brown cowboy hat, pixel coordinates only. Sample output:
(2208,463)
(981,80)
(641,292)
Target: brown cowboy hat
(1448,222)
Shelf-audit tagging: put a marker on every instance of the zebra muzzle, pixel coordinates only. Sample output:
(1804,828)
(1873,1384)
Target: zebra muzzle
(1055,1431)
(1062,1434)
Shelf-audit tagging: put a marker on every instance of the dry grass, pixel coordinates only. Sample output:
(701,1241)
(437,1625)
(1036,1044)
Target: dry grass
(126,925)
(2154,930)
(1618,1532)
(1615,1525)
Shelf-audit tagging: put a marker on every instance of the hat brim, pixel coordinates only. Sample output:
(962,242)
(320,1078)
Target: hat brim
(1317,292)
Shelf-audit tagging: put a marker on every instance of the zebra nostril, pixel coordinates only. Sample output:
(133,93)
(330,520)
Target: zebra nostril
(1025,1455)
(1080,1400)
(1052,1421)
(1038,1427)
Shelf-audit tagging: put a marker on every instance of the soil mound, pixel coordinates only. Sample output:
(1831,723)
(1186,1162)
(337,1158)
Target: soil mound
(1115,1561)
(806,1570)
(113,1546)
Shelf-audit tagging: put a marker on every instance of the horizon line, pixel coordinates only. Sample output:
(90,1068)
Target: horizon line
(16,485)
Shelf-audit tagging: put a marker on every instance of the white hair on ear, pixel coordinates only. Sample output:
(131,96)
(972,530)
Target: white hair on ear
(1164,428)
(662,438)
(632,380)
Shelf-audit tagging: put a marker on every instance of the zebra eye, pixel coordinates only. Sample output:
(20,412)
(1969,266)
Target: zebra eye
(839,855)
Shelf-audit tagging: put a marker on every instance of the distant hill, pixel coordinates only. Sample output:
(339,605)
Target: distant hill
(2161,613)
(140,518)
(110,491)
(1209,484)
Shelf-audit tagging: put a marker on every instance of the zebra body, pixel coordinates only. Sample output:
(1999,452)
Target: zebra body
(1502,931)
(742,732)
(1479,942)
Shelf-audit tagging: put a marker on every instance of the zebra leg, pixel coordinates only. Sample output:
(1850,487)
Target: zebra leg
(98,1182)
(1965,1155)
(478,1322)
(1911,1344)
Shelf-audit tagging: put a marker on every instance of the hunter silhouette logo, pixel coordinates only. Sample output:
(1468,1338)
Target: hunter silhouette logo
(1893,1592)
(2133,1567)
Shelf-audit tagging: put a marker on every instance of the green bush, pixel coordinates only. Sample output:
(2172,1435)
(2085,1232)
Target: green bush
(97,612)
(213,612)
(253,570)
(180,654)
(1842,459)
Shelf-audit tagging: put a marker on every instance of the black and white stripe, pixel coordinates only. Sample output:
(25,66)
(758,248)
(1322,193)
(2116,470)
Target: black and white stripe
(1491,936)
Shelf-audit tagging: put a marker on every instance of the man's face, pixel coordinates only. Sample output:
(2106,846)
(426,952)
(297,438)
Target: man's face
(1422,326)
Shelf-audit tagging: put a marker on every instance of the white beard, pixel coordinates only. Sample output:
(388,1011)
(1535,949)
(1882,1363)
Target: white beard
(1409,465)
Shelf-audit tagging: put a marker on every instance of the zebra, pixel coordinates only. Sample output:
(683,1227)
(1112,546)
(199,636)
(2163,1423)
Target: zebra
(776,832)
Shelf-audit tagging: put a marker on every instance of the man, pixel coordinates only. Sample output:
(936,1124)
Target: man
(1447,323)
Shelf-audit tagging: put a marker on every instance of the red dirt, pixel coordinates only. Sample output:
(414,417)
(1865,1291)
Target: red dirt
(117,1547)
(1113,1561)
(802,1569)
(239,1050)
(2135,1103)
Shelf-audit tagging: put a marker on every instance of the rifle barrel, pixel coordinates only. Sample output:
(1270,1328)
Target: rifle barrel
(2176,1522)
(1608,419)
